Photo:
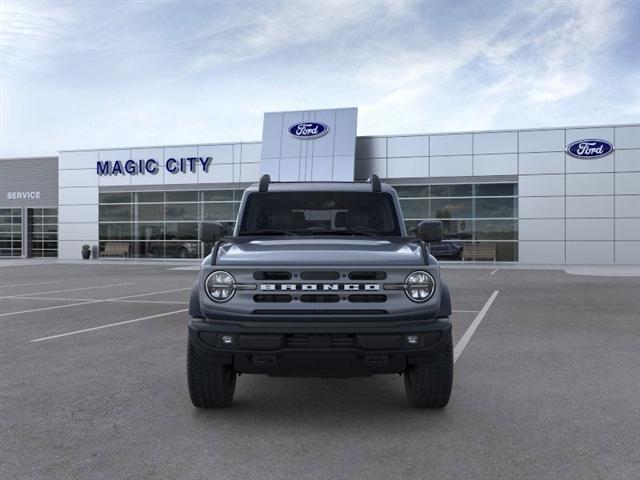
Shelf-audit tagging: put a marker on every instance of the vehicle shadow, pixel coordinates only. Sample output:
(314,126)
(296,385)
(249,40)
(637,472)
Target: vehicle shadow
(329,403)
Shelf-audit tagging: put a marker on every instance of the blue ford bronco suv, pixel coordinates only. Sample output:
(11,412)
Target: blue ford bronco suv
(320,279)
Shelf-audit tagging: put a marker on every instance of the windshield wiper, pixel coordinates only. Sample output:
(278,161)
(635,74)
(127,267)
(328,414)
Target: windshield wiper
(267,231)
(368,233)
(310,232)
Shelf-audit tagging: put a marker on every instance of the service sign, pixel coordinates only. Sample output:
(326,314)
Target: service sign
(308,130)
(23,195)
(589,149)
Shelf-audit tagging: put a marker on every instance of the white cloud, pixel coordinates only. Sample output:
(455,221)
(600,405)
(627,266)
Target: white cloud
(537,56)
(299,28)
(83,74)
(29,30)
(563,61)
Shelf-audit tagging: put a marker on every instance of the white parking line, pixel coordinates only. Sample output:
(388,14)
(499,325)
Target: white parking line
(152,293)
(462,343)
(494,271)
(160,302)
(59,299)
(28,284)
(67,299)
(49,308)
(71,289)
(108,325)
(89,302)
(25,297)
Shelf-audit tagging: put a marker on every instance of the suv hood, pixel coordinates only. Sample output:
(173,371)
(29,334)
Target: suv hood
(320,251)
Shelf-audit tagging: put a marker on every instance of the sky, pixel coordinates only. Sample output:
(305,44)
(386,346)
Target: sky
(97,74)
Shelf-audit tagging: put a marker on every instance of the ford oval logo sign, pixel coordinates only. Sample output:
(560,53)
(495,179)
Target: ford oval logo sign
(308,130)
(590,148)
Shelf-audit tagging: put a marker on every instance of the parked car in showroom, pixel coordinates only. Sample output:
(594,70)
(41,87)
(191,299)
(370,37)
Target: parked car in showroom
(172,248)
(450,249)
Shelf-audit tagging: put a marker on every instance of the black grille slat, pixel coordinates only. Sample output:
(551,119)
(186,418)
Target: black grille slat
(320,341)
(319,275)
(367,275)
(319,312)
(272,275)
(320,298)
(296,341)
(343,341)
(359,298)
(272,298)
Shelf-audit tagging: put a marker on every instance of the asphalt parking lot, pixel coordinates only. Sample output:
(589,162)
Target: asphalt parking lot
(93,385)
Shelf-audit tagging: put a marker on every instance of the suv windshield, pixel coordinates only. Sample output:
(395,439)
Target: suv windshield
(319,213)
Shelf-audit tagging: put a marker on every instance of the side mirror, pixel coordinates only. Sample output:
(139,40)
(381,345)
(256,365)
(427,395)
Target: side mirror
(211,231)
(429,231)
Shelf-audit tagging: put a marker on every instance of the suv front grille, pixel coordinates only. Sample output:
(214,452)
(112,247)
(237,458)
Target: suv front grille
(334,288)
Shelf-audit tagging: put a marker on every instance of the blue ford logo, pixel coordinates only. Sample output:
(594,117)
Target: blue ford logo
(589,148)
(308,130)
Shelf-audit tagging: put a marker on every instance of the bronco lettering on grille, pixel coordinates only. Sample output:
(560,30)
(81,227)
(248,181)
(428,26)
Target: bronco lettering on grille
(322,287)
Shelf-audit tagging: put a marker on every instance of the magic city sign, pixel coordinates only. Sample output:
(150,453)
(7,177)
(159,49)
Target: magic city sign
(151,166)
(589,148)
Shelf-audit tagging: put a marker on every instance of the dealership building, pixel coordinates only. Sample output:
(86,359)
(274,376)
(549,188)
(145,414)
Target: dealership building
(567,195)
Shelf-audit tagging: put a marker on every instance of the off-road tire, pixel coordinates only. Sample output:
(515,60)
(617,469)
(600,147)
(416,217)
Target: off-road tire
(211,383)
(428,383)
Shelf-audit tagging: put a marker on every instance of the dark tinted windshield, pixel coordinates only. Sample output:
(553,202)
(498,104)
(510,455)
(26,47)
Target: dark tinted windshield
(319,213)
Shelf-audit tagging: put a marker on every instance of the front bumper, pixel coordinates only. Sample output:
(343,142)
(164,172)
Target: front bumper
(320,349)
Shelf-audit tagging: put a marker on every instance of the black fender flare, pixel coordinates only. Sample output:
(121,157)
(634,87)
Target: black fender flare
(194,302)
(445,302)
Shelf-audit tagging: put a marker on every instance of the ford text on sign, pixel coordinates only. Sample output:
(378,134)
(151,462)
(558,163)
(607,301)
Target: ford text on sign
(590,148)
(308,130)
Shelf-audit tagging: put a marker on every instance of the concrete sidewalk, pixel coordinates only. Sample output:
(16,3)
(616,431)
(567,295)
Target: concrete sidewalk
(194,265)
(591,270)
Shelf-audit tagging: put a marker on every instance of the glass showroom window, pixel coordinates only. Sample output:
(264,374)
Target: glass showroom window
(164,224)
(10,232)
(482,213)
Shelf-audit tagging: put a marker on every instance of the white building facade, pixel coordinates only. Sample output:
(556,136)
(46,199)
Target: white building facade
(520,190)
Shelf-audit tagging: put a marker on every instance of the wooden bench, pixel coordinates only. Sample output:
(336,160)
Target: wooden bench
(115,249)
(484,251)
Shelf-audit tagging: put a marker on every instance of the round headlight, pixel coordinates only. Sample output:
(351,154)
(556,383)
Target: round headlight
(419,286)
(220,286)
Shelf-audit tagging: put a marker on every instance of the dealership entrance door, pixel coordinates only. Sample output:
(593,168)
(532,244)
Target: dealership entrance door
(42,232)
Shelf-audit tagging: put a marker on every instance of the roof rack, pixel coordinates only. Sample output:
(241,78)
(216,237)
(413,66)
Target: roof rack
(375,183)
(265,180)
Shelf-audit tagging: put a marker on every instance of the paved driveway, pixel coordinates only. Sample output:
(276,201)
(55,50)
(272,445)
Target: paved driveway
(93,385)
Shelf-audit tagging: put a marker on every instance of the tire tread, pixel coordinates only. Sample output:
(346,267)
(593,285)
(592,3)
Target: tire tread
(428,383)
(211,383)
